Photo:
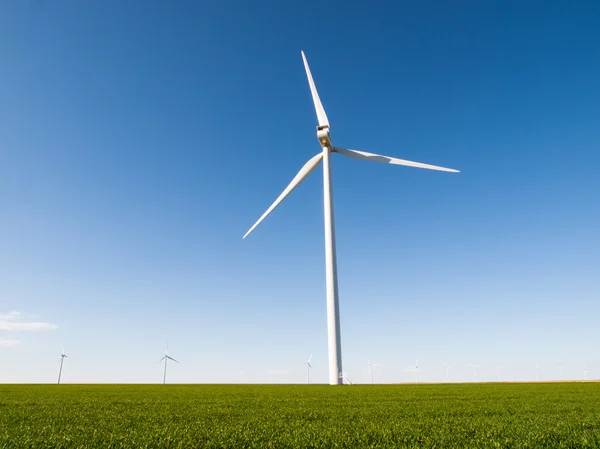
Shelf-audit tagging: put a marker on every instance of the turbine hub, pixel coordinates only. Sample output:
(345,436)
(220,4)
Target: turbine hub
(323,136)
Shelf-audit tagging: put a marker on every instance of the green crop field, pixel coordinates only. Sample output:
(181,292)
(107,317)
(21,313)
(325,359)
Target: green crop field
(551,415)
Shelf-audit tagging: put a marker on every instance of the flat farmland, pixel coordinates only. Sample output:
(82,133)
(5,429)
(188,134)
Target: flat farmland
(519,415)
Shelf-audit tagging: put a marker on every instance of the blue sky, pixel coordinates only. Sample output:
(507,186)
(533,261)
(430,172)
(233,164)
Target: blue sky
(140,141)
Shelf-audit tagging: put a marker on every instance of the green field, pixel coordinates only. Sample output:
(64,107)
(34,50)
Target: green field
(549,415)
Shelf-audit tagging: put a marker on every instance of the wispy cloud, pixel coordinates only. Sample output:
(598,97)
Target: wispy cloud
(8,342)
(15,321)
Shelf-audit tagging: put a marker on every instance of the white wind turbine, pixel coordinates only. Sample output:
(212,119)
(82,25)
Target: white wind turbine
(498,370)
(471,365)
(447,375)
(333,316)
(62,359)
(562,372)
(166,358)
(414,368)
(584,372)
(371,365)
(308,367)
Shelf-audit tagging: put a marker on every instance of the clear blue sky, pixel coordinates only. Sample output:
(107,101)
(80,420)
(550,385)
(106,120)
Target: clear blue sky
(140,141)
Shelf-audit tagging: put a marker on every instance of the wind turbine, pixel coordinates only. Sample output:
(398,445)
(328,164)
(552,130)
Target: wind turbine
(470,365)
(62,359)
(308,367)
(446,367)
(498,370)
(584,372)
(344,377)
(562,373)
(371,365)
(333,315)
(414,368)
(166,358)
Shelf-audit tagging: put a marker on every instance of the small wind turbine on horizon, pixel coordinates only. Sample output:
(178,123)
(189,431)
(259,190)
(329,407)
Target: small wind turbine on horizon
(562,373)
(498,370)
(371,365)
(62,358)
(308,367)
(584,372)
(333,315)
(166,358)
(344,377)
(416,369)
(471,365)
(447,375)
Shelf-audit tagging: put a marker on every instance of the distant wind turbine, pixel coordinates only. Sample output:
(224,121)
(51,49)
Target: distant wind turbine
(416,370)
(447,375)
(327,148)
(344,378)
(371,365)
(584,372)
(471,365)
(62,358)
(308,367)
(499,369)
(166,358)
(562,373)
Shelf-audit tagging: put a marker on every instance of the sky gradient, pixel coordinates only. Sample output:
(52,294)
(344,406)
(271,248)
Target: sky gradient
(140,141)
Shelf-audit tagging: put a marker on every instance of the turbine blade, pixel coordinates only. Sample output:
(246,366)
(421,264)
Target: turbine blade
(309,359)
(301,176)
(321,116)
(161,359)
(171,358)
(363,155)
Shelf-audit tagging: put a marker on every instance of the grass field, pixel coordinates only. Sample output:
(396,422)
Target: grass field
(561,415)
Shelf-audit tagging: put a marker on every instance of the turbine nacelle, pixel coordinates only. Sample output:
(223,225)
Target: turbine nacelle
(323,136)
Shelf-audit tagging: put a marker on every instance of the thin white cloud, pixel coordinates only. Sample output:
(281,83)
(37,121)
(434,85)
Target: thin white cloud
(7,342)
(23,326)
(12,315)
(13,321)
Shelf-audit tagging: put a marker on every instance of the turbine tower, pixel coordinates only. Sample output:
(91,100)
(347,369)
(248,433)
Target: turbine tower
(166,358)
(331,283)
(62,359)
(308,367)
